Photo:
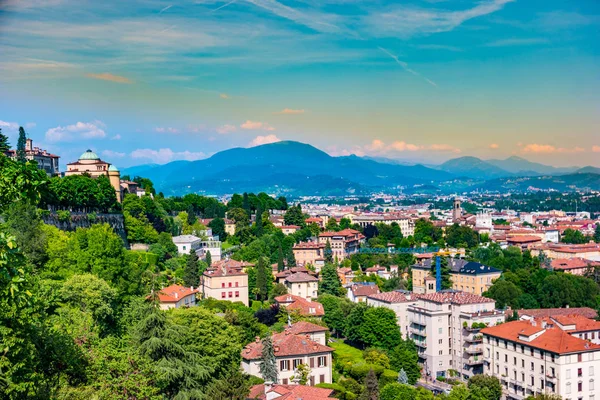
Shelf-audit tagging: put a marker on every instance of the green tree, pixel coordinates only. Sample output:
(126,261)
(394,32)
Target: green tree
(402,377)
(19,182)
(218,227)
(461,236)
(371,390)
(490,386)
(354,321)
(208,258)
(328,253)
(336,310)
(259,231)
(380,328)
(290,260)
(302,374)
(573,237)
(459,392)
(280,262)
(597,233)
(268,364)
(4,145)
(398,391)
(234,386)
(23,221)
(191,276)
(332,225)
(504,292)
(404,357)
(294,216)
(330,281)
(261,280)
(21,143)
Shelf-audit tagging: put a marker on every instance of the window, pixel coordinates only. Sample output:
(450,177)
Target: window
(532,380)
(230,294)
(322,361)
(441,352)
(591,384)
(223,295)
(321,378)
(580,386)
(441,341)
(222,284)
(237,284)
(542,369)
(237,294)
(591,370)
(311,362)
(184,247)
(514,360)
(532,366)
(568,387)
(440,330)
(579,372)
(297,361)
(284,381)
(230,284)
(284,365)
(579,357)
(506,358)
(568,374)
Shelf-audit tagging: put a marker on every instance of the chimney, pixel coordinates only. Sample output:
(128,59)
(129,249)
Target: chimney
(276,349)
(176,295)
(268,387)
(257,339)
(192,288)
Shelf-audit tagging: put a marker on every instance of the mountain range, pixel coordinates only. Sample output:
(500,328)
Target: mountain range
(295,168)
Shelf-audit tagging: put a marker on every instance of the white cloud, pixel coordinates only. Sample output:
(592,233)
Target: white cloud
(30,125)
(79,130)
(9,126)
(290,111)
(113,154)
(163,156)
(116,137)
(260,140)
(168,129)
(256,125)
(549,149)
(224,96)
(380,148)
(517,42)
(225,129)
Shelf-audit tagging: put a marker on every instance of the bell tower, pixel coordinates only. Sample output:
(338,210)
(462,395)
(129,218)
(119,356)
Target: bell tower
(456,210)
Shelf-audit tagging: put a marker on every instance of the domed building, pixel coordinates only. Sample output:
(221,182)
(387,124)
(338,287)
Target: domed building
(89,163)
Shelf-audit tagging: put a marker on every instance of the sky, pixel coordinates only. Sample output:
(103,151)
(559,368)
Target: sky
(418,80)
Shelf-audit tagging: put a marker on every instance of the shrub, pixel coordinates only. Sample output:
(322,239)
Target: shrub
(63,215)
(92,217)
(387,376)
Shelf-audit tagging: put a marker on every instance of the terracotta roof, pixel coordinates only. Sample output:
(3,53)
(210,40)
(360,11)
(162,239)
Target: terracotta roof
(552,312)
(300,277)
(345,270)
(375,268)
(364,290)
(225,268)
(552,339)
(347,233)
(291,392)
(309,245)
(454,297)
(394,297)
(303,327)
(300,304)
(523,239)
(582,324)
(285,344)
(174,293)
(566,264)
(231,263)
(289,227)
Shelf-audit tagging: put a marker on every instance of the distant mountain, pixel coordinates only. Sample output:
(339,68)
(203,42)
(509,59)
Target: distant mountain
(284,167)
(561,183)
(588,170)
(522,167)
(473,167)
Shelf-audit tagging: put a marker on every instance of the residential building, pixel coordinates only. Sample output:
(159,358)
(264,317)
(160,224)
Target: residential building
(89,163)
(343,243)
(397,301)
(533,313)
(268,391)
(575,266)
(304,307)
(229,227)
(422,280)
(185,243)
(225,280)
(472,277)
(314,332)
(307,253)
(289,229)
(543,356)
(406,224)
(358,292)
(382,272)
(588,251)
(303,285)
(46,161)
(290,351)
(176,296)
(445,327)
(346,275)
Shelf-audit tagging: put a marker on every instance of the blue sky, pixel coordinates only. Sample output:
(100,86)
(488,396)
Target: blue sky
(420,80)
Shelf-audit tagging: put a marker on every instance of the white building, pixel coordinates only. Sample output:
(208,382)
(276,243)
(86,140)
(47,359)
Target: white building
(397,301)
(185,243)
(445,327)
(545,355)
(484,220)
(293,347)
(176,296)
(303,285)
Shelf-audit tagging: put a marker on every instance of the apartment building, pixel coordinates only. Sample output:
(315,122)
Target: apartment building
(343,243)
(588,251)
(176,296)
(397,301)
(226,280)
(306,308)
(472,277)
(46,161)
(358,292)
(302,284)
(309,253)
(445,327)
(406,224)
(290,351)
(544,356)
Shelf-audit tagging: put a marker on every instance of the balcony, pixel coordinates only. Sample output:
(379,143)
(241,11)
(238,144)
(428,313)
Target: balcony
(551,378)
(418,332)
(417,323)
(475,360)
(421,343)
(474,349)
(474,338)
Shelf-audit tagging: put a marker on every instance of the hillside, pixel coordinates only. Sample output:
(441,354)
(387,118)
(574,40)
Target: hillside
(285,167)
(520,166)
(473,167)
(562,183)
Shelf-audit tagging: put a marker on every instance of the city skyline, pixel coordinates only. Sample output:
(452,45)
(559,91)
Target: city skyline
(425,81)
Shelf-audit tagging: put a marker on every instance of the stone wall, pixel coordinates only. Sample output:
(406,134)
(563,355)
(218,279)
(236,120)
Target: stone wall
(82,220)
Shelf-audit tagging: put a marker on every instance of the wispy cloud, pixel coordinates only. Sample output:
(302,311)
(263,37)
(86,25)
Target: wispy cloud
(549,149)
(405,66)
(288,111)
(167,129)
(596,149)
(225,129)
(165,8)
(9,126)
(79,130)
(438,47)
(260,140)
(30,125)
(256,125)
(517,42)
(321,22)
(378,147)
(224,96)
(116,137)
(105,76)
(559,19)
(404,21)
(494,146)
(165,155)
(113,154)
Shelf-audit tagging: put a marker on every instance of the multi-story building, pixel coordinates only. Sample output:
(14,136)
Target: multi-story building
(545,355)
(225,280)
(406,224)
(346,275)
(176,296)
(268,391)
(343,243)
(186,243)
(466,276)
(309,253)
(306,308)
(397,301)
(358,292)
(290,351)
(46,161)
(445,327)
(302,284)
(588,251)
(289,229)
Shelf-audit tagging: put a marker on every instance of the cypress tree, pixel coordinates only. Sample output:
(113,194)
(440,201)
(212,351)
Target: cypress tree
(191,216)
(191,275)
(4,145)
(261,280)
(268,365)
(21,145)
(246,204)
(208,258)
(330,282)
(328,253)
(259,222)
(280,263)
(371,391)
(291,260)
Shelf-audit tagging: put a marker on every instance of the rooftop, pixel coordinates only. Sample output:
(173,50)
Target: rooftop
(455,297)
(174,293)
(285,344)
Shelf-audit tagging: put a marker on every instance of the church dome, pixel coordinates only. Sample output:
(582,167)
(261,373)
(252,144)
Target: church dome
(112,168)
(89,155)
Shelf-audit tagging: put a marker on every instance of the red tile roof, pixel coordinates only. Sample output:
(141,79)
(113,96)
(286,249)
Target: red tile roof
(299,277)
(394,297)
(286,344)
(523,239)
(300,304)
(226,268)
(456,298)
(582,324)
(291,392)
(364,290)
(174,293)
(346,233)
(551,312)
(303,327)
(553,339)
(565,264)
(309,245)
